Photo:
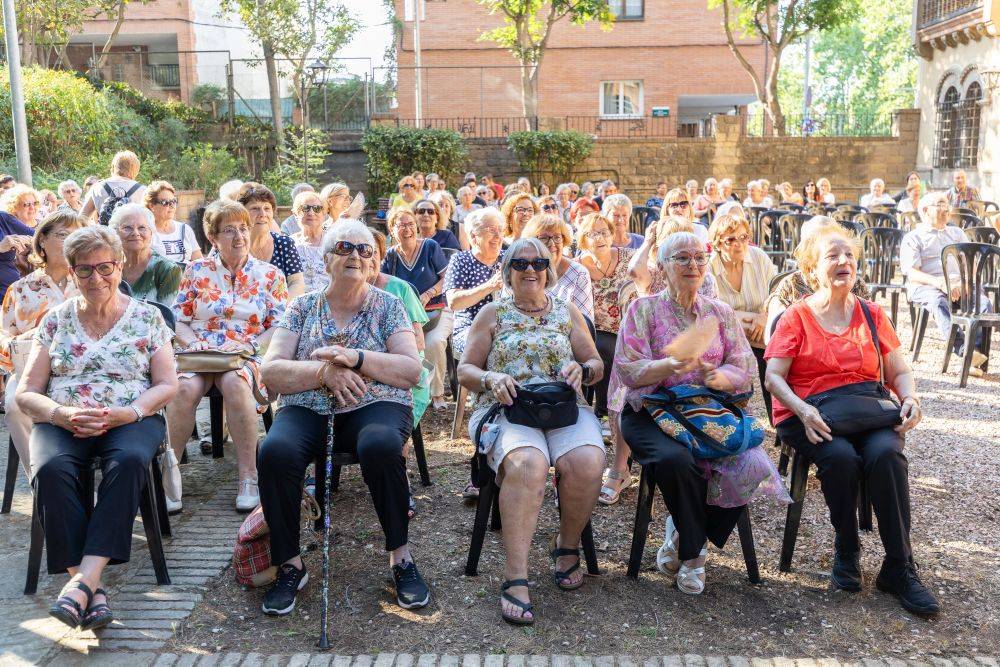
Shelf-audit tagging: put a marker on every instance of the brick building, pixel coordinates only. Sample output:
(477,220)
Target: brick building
(660,58)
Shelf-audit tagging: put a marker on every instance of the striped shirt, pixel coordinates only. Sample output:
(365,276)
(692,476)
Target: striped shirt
(575,286)
(758,269)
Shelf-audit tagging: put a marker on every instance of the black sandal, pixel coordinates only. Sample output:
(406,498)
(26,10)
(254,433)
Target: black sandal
(561,576)
(98,615)
(521,604)
(66,609)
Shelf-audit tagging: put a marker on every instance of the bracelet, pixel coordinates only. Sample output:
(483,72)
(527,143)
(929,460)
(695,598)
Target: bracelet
(361,360)
(910,398)
(139,414)
(52,414)
(484,381)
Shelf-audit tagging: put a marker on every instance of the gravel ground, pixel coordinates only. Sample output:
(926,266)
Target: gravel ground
(953,477)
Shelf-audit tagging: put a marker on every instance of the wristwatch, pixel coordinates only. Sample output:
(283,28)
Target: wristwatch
(361,360)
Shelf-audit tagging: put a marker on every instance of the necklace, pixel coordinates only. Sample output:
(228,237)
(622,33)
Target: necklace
(100,331)
(532,310)
(604,282)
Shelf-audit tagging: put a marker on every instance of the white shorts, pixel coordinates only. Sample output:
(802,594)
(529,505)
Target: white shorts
(552,443)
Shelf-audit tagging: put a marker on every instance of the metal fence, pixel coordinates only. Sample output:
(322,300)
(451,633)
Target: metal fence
(758,124)
(501,126)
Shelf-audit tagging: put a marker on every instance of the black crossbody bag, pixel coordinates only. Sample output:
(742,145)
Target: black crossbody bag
(860,406)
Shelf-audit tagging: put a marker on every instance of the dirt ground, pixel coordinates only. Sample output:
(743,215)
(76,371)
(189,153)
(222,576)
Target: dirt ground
(953,476)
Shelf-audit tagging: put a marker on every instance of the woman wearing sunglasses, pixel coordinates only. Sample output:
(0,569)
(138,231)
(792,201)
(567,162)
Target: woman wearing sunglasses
(310,212)
(529,335)
(178,239)
(101,367)
(229,302)
(435,220)
(409,193)
(347,352)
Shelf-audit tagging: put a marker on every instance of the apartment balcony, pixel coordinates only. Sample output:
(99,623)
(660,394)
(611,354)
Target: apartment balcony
(941,24)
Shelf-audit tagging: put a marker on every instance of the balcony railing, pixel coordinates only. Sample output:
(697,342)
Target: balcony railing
(164,76)
(935,11)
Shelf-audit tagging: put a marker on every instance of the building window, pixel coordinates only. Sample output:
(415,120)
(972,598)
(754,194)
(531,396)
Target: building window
(969,121)
(621,99)
(946,153)
(627,10)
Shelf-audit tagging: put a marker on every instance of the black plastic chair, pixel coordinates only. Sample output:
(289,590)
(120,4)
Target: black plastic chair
(965,220)
(847,212)
(908,220)
(870,220)
(982,207)
(880,253)
(787,239)
(10,476)
(797,489)
(637,221)
(978,265)
(152,509)
(794,208)
(983,235)
(766,234)
(643,515)
(854,227)
(883,208)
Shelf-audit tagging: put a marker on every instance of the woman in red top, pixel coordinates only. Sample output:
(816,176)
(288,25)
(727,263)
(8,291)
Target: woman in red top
(823,342)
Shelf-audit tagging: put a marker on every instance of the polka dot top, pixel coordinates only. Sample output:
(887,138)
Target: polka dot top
(285,256)
(466,272)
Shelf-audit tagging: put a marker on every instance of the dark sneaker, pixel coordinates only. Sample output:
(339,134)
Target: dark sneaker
(846,571)
(411,591)
(903,582)
(280,600)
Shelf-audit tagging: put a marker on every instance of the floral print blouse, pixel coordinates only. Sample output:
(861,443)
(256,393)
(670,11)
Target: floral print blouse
(27,301)
(529,348)
(607,311)
(380,317)
(651,323)
(111,372)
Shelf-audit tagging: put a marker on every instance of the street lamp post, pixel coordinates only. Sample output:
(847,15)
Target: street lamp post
(16,94)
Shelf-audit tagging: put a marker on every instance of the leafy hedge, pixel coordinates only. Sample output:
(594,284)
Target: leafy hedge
(393,152)
(556,152)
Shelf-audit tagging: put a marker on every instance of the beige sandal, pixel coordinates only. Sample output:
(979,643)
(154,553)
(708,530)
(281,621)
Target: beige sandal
(667,560)
(691,580)
(609,494)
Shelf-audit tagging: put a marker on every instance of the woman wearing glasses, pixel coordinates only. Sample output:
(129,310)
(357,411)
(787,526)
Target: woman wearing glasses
(517,209)
(347,352)
(229,302)
(435,221)
(149,275)
(742,275)
(309,210)
(572,280)
(178,239)
(100,368)
(408,192)
(529,335)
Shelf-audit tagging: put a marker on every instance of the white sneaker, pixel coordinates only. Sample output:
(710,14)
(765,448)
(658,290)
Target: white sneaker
(248,497)
(170,472)
(173,506)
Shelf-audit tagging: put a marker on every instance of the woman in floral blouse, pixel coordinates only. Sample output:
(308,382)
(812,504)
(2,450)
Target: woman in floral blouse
(346,353)
(100,368)
(228,302)
(27,301)
(532,336)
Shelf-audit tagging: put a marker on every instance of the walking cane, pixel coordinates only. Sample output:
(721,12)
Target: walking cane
(324,637)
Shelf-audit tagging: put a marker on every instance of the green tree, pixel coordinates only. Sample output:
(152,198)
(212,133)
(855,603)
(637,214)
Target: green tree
(780,24)
(527,25)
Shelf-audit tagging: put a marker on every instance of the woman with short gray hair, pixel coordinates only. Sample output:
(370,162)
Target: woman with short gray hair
(524,337)
(69,192)
(618,209)
(705,497)
(473,276)
(149,275)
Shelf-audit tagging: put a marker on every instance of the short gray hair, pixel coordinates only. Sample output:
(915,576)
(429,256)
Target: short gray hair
(66,185)
(928,200)
(612,201)
(874,181)
(132,211)
(299,188)
(344,230)
(515,249)
(673,243)
(230,189)
(475,220)
(465,189)
(91,238)
(563,186)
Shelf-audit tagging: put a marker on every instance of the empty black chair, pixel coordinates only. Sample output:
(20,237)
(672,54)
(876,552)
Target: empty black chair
(880,253)
(765,233)
(965,220)
(983,235)
(908,220)
(978,265)
(788,236)
(643,514)
(981,207)
(854,227)
(876,220)
(10,476)
(847,212)
(637,222)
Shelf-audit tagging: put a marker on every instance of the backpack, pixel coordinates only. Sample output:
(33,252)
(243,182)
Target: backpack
(114,201)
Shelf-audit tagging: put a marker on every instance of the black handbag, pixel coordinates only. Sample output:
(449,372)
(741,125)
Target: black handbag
(860,406)
(544,405)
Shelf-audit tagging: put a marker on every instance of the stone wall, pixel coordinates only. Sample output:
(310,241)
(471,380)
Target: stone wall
(638,164)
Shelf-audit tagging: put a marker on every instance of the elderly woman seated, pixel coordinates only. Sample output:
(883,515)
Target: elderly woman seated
(100,368)
(572,280)
(276,249)
(150,275)
(310,212)
(644,268)
(227,303)
(877,196)
(346,353)
(473,276)
(705,497)
(27,301)
(830,341)
(618,209)
(527,337)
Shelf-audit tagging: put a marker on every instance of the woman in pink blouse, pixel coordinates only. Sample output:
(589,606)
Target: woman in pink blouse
(705,497)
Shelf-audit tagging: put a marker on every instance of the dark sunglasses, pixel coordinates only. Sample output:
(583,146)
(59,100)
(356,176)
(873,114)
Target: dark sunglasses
(87,270)
(539,264)
(678,204)
(550,207)
(425,211)
(408,186)
(345,248)
(167,202)
(315,208)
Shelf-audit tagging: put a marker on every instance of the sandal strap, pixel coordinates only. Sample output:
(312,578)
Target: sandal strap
(511,583)
(521,604)
(558,552)
(78,585)
(564,574)
(98,609)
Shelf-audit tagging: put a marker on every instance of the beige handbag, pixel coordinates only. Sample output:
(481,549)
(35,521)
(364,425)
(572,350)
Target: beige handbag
(211,361)
(19,350)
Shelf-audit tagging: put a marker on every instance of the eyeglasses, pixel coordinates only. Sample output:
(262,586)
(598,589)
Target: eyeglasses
(128,230)
(408,186)
(730,240)
(236,231)
(87,270)
(406,224)
(597,234)
(539,264)
(685,260)
(550,207)
(520,210)
(314,208)
(550,240)
(678,204)
(344,248)
(29,204)
(166,202)
(487,231)
(425,211)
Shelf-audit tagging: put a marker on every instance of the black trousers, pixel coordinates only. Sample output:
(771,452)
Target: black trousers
(375,432)
(878,457)
(682,484)
(758,352)
(57,462)
(606,342)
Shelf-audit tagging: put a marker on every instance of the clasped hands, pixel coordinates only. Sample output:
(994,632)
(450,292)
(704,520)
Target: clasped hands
(91,422)
(336,374)
(713,377)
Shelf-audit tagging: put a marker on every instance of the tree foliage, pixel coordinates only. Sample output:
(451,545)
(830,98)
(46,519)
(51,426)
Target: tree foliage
(556,152)
(395,151)
(527,26)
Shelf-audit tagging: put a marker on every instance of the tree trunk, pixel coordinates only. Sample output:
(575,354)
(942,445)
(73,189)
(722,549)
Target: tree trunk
(102,60)
(529,93)
(774,111)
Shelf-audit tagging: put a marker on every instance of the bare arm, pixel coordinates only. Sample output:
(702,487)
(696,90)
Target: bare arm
(816,429)
(398,367)
(471,368)
(921,278)
(283,374)
(460,299)
(296,285)
(899,376)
